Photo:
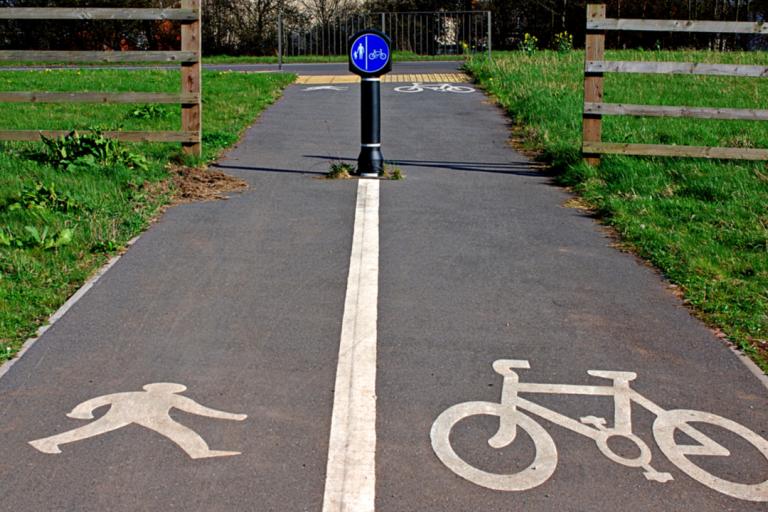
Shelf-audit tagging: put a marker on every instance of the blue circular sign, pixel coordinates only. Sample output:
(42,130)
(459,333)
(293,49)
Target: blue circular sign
(369,53)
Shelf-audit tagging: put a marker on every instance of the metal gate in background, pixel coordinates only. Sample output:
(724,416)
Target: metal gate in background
(421,33)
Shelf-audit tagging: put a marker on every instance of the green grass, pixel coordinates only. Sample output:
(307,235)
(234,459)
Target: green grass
(398,56)
(703,223)
(107,206)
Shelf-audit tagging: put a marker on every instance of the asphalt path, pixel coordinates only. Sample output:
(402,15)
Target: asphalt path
(242,302)
(329,68)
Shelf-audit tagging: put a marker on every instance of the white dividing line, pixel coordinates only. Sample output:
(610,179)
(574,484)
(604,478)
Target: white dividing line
(350,481)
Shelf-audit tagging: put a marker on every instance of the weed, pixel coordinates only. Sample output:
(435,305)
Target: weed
(8,240)
(44,239)
(105,246)
(77,152)
(529,44)
(38,196)
(340,171)
(149,112)
(563,42)
(47,239)
(391,172)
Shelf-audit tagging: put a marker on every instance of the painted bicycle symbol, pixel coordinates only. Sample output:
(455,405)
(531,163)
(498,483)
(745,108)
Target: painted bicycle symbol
(419,87)
(378,54)
(667,423)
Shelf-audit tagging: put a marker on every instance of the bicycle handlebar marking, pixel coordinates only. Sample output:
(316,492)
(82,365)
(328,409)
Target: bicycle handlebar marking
(545,461)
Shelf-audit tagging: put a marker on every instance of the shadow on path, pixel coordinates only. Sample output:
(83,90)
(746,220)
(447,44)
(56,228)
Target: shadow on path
(515,168)
(265,169)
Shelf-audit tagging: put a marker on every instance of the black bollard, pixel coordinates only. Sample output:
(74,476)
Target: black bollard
(370,163)
(370,57)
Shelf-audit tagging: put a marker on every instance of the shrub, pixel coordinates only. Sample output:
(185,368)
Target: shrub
(40,196)
(529,44)
(77,152)
(563,42)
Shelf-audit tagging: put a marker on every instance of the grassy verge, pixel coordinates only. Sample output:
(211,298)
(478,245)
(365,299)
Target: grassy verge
(398,56)
(58,225)
(703,223)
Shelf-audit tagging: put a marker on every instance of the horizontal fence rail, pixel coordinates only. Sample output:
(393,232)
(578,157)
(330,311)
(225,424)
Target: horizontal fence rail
(125,136)
(615,109)
(595,66)
(104,57)
(98,97)
(96,13)
(615,148)
(189,15)
(713,27)
(675,68)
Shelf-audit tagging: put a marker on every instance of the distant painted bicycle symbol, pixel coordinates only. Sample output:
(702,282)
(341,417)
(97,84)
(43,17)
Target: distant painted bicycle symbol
(419,87)
(545,460)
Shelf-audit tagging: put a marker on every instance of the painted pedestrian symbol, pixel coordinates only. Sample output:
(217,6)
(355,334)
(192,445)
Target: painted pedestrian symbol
(325,88)
(667,423)
(149,408)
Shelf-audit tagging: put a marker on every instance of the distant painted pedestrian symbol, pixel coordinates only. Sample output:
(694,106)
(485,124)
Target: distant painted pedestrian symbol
(370,53)
(668,423)
(150,409)
(325,88)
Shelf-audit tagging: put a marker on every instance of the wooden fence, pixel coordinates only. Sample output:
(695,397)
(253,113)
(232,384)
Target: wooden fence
(189,57)
(596,66)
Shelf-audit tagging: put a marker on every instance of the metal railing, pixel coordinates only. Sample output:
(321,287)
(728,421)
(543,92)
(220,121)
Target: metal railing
(422,33)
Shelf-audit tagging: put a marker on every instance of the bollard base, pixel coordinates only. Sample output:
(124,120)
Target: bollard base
(370,163)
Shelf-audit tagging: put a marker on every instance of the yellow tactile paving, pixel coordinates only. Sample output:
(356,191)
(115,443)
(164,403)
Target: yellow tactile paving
(448,78)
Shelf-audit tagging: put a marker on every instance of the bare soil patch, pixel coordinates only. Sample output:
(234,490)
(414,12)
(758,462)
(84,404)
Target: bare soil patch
(194,184)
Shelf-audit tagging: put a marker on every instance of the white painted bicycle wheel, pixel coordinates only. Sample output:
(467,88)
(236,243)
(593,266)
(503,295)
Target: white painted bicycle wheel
(664,431)
(540,470)
(461,89)
(409,88)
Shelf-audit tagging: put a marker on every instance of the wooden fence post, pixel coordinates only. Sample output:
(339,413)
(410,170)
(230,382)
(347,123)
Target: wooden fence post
(191,79)
(593,82)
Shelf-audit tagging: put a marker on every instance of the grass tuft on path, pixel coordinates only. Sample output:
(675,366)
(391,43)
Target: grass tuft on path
(703,223)
(57,226)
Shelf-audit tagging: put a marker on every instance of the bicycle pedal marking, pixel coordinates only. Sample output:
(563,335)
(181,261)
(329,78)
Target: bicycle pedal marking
(596,422)
(656,476)
(510,409)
